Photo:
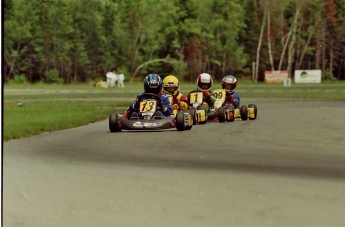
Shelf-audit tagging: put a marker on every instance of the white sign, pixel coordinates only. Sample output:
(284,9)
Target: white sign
(308,76)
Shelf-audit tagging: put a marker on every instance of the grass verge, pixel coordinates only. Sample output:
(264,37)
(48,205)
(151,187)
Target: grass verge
(34,118)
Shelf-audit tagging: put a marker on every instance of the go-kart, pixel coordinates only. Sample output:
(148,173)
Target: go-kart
(244,112)
(218,111)
(197,110)
(147,118)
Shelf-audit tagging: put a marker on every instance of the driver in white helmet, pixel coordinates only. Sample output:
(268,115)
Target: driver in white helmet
(204,84)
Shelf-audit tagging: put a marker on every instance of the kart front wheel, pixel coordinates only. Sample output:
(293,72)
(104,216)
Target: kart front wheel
(113,123)
(244,112)
(221,114)
(180,121)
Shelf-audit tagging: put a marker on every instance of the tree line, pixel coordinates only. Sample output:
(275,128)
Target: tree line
(79,40)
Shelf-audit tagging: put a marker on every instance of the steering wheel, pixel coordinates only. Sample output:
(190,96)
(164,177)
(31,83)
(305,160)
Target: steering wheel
(157,97)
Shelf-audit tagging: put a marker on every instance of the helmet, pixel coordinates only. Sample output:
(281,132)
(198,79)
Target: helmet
(171,85)
(153,84)
(205,82)
(229,83)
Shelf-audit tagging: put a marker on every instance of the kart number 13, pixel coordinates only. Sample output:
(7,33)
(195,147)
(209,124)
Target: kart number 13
(146,106)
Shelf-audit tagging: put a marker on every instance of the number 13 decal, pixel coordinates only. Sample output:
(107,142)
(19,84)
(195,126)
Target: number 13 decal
(146,106)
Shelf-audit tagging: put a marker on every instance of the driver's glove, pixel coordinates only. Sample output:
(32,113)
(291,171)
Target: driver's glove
(162,107)
(232,100)
(136,106)
(175,107)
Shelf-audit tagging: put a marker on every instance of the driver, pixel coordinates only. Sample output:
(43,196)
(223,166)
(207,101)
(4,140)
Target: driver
(171,86)
(204,83)
(229,84)
(152,84)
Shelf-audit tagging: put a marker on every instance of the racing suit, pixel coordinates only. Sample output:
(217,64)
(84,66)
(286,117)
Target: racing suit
(233,99)
(179,102)
(164,106)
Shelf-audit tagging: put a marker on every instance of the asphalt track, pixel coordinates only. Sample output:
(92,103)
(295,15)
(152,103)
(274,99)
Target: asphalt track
(286,168)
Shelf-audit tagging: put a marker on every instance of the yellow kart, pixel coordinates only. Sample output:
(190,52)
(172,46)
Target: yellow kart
(196,108)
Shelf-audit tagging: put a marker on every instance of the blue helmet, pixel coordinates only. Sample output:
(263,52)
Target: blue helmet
(153,84)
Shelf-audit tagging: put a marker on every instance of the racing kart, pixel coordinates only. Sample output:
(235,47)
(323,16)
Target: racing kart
(196,109)
(244,112)
(222,113)
(148,119)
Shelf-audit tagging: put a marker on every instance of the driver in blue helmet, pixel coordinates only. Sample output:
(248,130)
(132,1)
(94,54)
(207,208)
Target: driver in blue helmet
(152,84)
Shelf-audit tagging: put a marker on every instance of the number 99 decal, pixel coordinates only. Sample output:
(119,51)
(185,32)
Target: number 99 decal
(219,93)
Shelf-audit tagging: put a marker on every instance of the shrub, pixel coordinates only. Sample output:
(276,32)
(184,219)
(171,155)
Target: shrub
(18,79)
(52,76)
(329,76)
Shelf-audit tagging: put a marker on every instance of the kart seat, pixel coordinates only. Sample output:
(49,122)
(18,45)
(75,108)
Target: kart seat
(158,115)
(134,116)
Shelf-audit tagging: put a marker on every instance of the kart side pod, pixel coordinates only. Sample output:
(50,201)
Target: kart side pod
(245,112)
(201,115)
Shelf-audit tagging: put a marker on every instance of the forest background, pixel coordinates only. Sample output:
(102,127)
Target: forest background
(65,41)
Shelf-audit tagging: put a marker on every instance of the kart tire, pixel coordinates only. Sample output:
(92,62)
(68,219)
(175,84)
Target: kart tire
(180,121)
(244,112)
(188,127)
(255,111)
(113,123)
(221,114)
(228,111)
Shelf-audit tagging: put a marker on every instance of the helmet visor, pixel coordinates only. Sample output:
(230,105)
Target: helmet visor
(170,90)
(205,86)
(153,89)
(229,87)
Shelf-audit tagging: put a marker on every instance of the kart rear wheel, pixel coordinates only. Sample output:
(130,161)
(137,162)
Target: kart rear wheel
(113,123)
(255,111)
(180,121)
(244,112)
(221,114)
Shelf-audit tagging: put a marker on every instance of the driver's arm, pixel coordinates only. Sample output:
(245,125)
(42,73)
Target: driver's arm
(135,106)
(167,110)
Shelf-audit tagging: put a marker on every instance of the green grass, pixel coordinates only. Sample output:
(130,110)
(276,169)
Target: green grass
(57,110)
(35,118)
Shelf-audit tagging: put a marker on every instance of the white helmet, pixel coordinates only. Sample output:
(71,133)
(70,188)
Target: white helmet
(204,82)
